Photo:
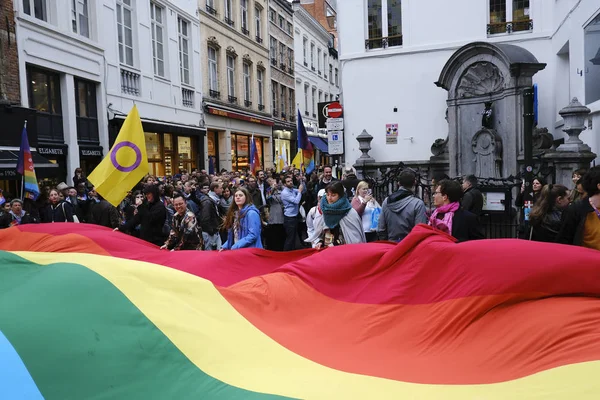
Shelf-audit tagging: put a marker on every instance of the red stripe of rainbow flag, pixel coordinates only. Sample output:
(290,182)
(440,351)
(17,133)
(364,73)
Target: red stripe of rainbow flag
(427,318)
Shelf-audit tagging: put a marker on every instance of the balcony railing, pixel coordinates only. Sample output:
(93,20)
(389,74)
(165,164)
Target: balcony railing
(314,115)
(313,68)
(259,39)
(261,107)
(187,97)
(319,72)
(305,64)
(229,21)
(293,118)
(325,77)
(282,66)
(510,26)
(130,82)
(274,62)
(232,99)
(247,103)
(383,42)
(211,10)
(245,31)
(275,113)
(291,71)
(214,94)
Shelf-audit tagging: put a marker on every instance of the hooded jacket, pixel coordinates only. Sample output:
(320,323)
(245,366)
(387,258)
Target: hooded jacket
(400,213)
(249,234)
(151,217)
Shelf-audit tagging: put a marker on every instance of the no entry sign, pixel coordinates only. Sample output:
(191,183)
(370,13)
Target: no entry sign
(329,110)
(334,110)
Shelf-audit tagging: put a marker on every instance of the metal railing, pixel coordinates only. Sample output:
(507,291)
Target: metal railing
(247,103)
(229,21)
(211,10)
(510,26)
(383,42)
(232,99)
(214,94)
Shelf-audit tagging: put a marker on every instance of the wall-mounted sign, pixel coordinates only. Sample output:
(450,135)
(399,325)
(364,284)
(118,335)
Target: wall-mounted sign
(329,110)
(229,114)
(335,142)
(335,124)
(51,151)
(91,152)
(391,133)
(494,201)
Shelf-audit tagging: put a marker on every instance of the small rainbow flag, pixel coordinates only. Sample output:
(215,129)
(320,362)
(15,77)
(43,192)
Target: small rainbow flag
(31,190)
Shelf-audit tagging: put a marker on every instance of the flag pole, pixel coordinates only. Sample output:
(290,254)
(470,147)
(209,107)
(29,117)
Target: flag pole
(23,176)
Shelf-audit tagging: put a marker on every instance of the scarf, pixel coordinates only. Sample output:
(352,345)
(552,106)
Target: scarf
(444,224)
(17,217)
(333,213)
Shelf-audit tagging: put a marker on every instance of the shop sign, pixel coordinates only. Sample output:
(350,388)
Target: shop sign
(91,153)
(229,114)
(7,173)
(51,151)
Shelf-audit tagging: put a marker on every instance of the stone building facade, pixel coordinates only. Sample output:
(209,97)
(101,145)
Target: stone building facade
(283,87)
(236,82)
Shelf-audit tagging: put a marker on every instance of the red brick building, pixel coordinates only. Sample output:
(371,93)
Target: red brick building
(9,59)
(323,11)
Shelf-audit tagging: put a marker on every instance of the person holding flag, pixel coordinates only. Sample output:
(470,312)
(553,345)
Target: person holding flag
(29,184)
(254,157)
(125,165)
(304,158)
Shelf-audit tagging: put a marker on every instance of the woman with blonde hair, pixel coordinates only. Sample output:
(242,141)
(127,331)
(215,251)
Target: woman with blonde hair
(365,205)
(242,222)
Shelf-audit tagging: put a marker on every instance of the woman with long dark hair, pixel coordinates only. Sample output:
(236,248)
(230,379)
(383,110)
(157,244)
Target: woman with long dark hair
(57,209)
(242,222)
(340,223)
(545,217)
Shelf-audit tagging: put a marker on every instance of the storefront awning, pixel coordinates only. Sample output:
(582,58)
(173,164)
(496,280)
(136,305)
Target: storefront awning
(320,143)
(8,163)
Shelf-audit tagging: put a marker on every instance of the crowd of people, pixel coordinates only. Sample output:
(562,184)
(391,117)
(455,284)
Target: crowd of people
(288,210)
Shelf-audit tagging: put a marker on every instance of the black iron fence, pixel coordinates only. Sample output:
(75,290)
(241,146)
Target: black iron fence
(500,218)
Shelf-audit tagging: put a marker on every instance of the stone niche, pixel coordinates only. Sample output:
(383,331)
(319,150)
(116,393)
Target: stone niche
(485,84)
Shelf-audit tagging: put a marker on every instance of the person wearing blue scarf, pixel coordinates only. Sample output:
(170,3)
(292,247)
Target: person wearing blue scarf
(340,224)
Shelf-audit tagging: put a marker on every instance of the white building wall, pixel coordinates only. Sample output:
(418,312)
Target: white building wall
(160,98)
(305,26)
(53,45)
(375,82)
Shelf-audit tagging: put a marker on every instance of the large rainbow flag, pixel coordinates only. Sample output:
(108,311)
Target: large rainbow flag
(90,313)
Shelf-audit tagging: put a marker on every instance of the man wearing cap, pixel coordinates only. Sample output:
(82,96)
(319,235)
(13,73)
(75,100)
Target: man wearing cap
(350,182)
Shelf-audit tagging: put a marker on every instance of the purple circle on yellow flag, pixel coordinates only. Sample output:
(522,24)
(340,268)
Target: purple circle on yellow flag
(138,156)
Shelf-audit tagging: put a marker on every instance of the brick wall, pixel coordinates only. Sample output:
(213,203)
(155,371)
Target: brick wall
(317,10)
(9,58)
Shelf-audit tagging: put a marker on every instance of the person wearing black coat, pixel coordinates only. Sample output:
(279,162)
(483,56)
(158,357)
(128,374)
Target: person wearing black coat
(151,216)
(57,210)
(16,215)
(103,213)
(472,200)
(350,183)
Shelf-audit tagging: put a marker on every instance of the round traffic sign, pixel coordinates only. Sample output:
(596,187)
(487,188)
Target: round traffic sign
(334,110)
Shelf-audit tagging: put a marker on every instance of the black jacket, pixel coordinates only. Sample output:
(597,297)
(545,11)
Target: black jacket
(104,214)
(6,220)
(323,185)
(350,184)
(151,217)
(573,222)
(62,212)
(209,216)
(464,226)
(472,201)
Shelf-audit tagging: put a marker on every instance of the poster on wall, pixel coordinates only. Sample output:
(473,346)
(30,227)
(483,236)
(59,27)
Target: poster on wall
(391,133)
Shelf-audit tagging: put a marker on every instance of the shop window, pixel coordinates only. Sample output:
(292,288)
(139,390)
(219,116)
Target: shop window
(186,151)
(168,153)
(592,60)
(44,96)
(87,112)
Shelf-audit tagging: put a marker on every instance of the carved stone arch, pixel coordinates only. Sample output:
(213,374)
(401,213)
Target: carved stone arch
(480,79)
(231,51)
(213,42)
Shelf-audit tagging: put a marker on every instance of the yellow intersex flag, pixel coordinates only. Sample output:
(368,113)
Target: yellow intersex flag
(126,163)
